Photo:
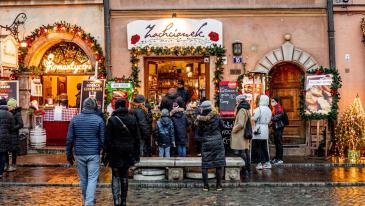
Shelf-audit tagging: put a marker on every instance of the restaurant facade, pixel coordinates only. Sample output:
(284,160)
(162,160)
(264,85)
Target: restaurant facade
(269,46)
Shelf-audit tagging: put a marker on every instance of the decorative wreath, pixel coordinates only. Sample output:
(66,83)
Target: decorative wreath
(214,50)
(336,84)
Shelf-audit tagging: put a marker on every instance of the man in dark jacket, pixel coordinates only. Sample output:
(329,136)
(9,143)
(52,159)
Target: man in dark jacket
(182,92)
(14,145)
(140,112)
(86,134)
(169,99)
(122,149)
(7,123)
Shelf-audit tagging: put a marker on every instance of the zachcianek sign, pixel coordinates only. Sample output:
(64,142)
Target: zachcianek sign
(174,32)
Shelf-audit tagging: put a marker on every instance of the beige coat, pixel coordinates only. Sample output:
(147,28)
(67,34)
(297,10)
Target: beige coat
(238,142)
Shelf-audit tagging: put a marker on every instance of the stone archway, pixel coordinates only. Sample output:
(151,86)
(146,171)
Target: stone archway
(287,52)
(42,44)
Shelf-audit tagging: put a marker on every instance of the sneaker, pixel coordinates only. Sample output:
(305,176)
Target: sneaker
(11,168)
(279,162)
(259,166)
(219,188)
(267,165)
(199,155)
(205,188)
(273,161)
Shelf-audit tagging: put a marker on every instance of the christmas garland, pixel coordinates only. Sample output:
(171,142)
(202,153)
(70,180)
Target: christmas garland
(336,84)
(214,50)
(62,27)
(363,29)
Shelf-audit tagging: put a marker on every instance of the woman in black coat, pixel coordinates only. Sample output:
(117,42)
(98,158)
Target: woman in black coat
(122,149)
(210,126)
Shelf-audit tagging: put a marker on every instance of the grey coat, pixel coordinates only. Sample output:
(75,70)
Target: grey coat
(262,117)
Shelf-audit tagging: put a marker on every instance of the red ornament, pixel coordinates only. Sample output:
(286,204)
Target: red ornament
(318,72)
(334,92)
(135,38)
(267,92)
(214,36)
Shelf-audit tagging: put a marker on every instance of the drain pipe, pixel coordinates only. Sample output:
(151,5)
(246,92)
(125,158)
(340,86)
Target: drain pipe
(332,55)
(107,37)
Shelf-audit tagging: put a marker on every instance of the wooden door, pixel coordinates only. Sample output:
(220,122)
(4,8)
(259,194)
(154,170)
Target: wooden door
(285,83)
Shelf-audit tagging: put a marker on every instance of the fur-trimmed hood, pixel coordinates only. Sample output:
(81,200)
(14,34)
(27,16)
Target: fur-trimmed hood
(208,117)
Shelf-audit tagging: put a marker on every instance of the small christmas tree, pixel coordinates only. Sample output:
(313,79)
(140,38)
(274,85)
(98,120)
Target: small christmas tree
(350,131)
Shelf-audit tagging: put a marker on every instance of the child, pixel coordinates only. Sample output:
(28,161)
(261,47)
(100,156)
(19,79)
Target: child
(180,126)
(164,134)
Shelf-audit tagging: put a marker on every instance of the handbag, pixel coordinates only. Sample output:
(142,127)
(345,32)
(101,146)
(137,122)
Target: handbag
(248,129)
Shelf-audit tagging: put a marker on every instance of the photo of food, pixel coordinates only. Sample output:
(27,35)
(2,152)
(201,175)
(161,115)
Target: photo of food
(318,98)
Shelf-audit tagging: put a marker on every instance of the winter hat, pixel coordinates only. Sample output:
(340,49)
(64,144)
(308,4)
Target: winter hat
(120,103)
(175,104)
(277,99)
(241,97)
(2,101)
(89,104)
(206,105)
(139,99)
(12,102)
(165,113)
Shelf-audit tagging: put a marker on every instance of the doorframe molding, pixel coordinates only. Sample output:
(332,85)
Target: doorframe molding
(287,52)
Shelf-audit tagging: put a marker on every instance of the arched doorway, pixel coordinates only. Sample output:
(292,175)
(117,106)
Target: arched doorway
(286,83)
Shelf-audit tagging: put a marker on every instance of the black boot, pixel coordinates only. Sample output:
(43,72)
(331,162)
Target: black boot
(116,186)
(124,191)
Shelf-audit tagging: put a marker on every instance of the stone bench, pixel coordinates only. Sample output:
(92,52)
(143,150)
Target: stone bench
(176,166)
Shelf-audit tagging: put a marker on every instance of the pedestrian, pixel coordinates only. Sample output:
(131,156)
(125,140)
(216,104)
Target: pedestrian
(149,116)
(180,121)
(140,111)
(14,146)
(169,99)
(183,92)
(86,135)
(213,154)
(121,149)
(278,128)
(239,144)
(7,124)
(260,145)
(164,134)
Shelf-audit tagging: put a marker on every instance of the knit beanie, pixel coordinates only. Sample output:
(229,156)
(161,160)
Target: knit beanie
(165,113)
(139,99)
(206,105)
(89,104)
(120,103)
(12,103)
(2,101)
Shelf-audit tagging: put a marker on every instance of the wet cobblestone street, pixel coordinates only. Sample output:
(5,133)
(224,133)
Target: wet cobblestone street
(230,196)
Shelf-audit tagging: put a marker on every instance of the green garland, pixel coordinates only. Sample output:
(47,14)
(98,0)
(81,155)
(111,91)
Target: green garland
(62,27)
(214,50)
(336,84)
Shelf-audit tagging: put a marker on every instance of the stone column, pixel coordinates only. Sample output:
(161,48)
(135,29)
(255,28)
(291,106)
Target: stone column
(24,97)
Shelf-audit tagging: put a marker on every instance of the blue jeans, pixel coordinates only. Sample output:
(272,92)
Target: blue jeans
(181,150)
(2,162)
(164,151)
(88,169)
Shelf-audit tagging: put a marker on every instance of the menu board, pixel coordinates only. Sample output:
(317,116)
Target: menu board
(93,89)
(9,89)
(228,123)
(318,97)
(227,98)
(118,90)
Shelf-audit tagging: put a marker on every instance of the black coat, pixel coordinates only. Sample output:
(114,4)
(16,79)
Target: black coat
(122,145)
(143,122)
(210,127)
(180,121)
(7,125)
(18,125)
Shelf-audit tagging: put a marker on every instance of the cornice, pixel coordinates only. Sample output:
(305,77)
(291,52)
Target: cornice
(14,3)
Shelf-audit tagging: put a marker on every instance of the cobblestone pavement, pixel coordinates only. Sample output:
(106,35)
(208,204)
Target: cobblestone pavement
(191,197)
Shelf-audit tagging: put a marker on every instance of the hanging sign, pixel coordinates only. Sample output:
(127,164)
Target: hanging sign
(9,89)
(9,52)
(93,89)
(174,32)
(227,98)
(51,66)
(318,97)
(118,90)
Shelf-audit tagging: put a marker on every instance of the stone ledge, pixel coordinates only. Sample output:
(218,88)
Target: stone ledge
(183,162)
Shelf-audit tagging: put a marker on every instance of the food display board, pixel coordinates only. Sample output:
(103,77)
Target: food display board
(93,89)
(9,89)
(253,85)
(227,97)
(318,97)
(118,90)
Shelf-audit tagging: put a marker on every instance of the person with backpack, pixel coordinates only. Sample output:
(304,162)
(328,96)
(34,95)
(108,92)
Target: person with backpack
(180,121)
(279,120)
(240,143)
(121,149)
(260,145)
(164,134)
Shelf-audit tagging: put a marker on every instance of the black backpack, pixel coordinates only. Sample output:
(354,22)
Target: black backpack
(285,119)
(248,129)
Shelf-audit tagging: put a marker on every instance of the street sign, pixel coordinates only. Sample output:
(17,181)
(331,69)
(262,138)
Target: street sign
(237,59)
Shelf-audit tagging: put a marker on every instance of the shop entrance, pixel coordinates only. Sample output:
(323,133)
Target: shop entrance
(286,83)
(161,74)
